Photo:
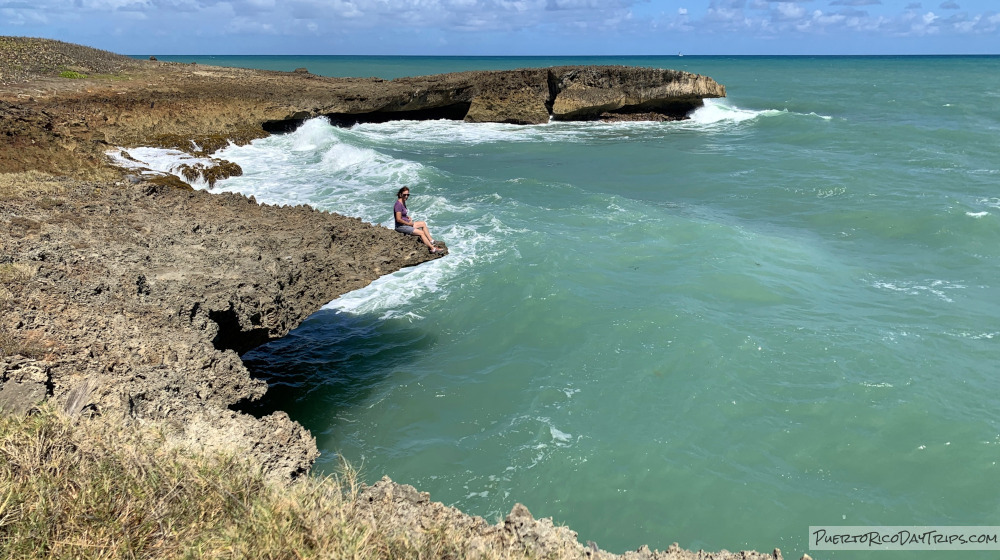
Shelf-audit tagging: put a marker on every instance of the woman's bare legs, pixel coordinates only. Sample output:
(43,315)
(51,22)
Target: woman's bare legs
(423,226)
(425,238)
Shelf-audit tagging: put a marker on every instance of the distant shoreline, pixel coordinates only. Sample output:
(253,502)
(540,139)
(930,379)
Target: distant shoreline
(346,65)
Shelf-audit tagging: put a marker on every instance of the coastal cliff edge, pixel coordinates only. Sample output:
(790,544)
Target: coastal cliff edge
(129,298)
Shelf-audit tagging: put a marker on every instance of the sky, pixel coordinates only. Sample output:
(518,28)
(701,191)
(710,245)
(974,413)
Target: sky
(512,27)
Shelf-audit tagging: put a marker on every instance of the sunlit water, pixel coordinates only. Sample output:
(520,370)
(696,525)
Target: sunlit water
(781,313)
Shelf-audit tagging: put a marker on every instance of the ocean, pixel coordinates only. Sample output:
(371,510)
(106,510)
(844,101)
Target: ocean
(781,313)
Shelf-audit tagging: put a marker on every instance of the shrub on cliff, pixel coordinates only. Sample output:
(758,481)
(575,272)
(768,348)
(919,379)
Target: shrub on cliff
(72,74)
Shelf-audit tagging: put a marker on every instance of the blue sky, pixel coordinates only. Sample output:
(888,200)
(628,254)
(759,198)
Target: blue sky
(512,27)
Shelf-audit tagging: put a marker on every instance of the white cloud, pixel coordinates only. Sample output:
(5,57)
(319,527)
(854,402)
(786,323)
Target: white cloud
(828,19)
(243,25)
(790,11)
(420,22)
(20,16)
(131,5)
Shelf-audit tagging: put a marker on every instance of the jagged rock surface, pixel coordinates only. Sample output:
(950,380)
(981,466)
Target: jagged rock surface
(588,92)
(130,301)
(404,509)
(65,125)
(134,302)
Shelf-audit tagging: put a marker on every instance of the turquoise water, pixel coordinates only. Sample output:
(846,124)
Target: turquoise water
(719,332)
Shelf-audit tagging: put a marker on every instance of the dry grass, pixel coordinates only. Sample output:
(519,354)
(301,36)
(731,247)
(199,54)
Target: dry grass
(13,343)
(22,58)
(69,490)
(14,273)
(30,184)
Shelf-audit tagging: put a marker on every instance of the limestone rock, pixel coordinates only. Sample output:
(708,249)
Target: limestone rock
(401,509)
(65,126)
(23,384)
(139,298)
(515,97)
(589,91)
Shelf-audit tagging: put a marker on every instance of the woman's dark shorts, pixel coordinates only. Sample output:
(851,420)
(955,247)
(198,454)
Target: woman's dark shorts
(408,230)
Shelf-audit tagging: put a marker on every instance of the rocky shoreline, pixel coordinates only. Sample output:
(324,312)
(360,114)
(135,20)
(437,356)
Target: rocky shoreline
(129,298)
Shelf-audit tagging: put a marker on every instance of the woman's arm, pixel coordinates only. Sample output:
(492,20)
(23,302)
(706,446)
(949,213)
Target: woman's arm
(400,219)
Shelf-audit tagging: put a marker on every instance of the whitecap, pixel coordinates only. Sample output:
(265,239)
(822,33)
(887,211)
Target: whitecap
(713,113)
(158,161)
(394,295)
(323,166)
(978,336)
(934,287)
(716,111)
(559,435)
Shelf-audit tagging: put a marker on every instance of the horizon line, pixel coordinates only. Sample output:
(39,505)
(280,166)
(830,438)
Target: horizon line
(680,55)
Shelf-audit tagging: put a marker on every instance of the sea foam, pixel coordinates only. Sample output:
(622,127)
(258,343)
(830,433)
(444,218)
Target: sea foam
(158,161)
(352,172)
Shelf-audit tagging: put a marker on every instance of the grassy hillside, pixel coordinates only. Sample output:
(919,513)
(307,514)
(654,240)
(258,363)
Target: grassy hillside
(23,58)
(72,490)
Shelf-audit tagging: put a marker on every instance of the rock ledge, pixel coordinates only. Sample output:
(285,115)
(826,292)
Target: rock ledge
(131,300)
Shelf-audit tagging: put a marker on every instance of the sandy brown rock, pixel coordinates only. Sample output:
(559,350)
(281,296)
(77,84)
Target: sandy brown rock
(65,125)
(130,300)
(589,91)
(403,509)
(148,294)
(516,97)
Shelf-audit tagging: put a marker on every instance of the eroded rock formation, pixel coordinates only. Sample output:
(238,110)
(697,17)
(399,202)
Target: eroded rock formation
(411,511)
(131,300)
(62,125)
(135,301)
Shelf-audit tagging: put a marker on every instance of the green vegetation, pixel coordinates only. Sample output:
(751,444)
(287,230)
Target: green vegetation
(73,75)
(81,489)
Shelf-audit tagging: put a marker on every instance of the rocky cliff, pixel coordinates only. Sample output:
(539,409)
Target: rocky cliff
(135,301)
(130,299)
(65,124)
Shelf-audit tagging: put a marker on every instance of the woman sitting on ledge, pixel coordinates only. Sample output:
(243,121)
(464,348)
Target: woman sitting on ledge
(405,225)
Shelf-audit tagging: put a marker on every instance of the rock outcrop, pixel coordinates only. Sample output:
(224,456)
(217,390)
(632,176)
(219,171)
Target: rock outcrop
(411,512)
(131,300)
(530,96)
(588,92)
(53,123)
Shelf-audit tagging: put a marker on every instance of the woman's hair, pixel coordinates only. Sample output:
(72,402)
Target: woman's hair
(399,194)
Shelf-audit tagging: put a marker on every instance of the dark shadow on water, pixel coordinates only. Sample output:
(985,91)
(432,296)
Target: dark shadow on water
(329,364)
